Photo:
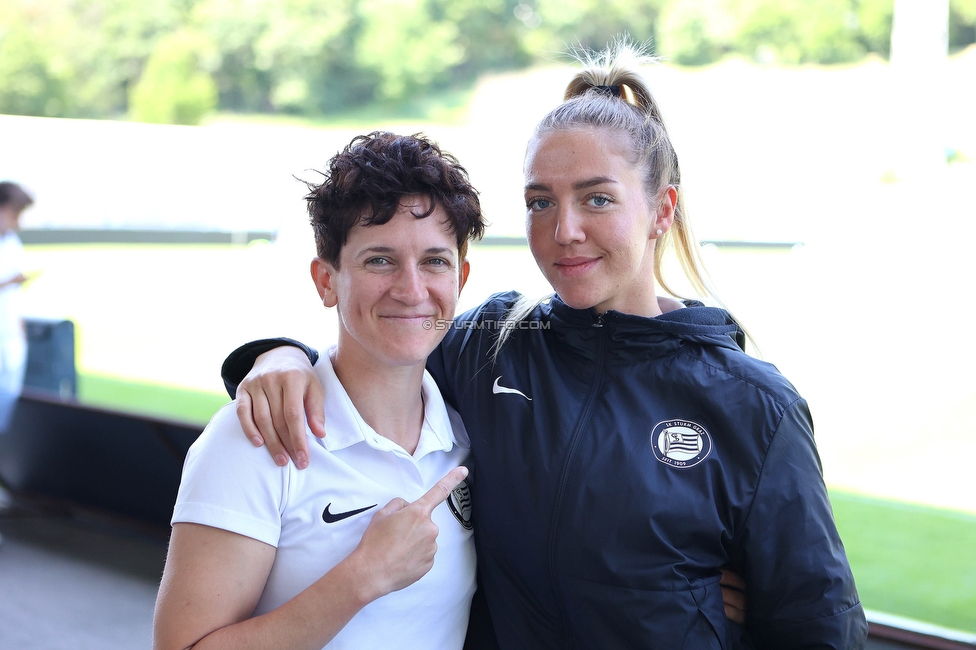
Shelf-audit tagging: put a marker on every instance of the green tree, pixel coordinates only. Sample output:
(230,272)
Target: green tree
(588,23)
(174,88)
(695,32)
(89,51)
(29,82)
(962,23)
(874,23)
(272,54)
(490,34)
(797,31)
(406,47)
(88,58)
(111,42)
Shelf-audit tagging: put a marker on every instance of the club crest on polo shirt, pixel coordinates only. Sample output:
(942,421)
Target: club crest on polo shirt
(680,443)
(459,501)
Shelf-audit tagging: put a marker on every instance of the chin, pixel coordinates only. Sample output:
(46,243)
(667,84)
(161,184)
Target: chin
(403,360)
(411,353)
(579,299)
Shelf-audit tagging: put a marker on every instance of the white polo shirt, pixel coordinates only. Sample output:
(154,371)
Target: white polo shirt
(13,343)
(316,517)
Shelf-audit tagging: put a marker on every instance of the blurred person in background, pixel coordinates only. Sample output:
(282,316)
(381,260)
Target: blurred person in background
(13,341)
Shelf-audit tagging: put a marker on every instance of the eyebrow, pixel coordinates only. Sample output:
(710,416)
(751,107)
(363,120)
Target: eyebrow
(433,250)
(578,185)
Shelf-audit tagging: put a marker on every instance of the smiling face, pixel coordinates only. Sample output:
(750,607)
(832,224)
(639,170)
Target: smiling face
(589,224)
(394,282)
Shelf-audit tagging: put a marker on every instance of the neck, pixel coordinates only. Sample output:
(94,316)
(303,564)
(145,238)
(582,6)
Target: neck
(389,398)
(645,304)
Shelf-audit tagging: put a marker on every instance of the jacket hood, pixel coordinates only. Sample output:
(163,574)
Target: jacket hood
(694,323)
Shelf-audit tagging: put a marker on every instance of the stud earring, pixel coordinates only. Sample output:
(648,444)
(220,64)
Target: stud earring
(659,232)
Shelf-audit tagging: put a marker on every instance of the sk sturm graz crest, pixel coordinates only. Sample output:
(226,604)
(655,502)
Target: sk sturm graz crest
(459,502)
(680,443)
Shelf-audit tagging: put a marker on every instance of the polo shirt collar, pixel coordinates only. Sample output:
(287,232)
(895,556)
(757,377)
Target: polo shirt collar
(345,427)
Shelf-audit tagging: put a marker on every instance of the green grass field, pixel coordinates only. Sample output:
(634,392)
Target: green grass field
(165,402)
(910,560)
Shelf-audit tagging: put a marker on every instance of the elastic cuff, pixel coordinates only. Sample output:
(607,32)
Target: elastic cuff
(239,362)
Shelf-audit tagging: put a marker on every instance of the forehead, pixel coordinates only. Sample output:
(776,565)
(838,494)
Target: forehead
(577,152)
(406,230)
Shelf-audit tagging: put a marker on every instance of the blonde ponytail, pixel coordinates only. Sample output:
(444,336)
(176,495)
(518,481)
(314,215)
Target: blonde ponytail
(610,92)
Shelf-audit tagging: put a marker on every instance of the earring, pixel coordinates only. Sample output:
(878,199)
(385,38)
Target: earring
(659,232)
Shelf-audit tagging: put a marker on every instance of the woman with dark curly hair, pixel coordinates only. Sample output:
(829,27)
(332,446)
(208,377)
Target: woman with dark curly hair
(264,556)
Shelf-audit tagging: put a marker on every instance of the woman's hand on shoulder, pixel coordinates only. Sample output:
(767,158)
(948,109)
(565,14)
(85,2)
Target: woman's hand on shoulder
(274,400)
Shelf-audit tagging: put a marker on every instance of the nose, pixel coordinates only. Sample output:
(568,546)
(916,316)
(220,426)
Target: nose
(569,226)
(409,286)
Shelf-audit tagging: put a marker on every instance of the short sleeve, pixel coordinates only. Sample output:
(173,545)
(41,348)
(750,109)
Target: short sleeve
(230,484)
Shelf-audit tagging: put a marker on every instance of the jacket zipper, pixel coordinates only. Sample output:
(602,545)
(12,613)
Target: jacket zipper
(568,463)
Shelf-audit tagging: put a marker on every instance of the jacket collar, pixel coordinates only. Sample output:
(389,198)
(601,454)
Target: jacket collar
(694,323)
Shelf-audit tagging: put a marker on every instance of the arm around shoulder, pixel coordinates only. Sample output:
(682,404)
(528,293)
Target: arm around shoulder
(278,396)
(239,362)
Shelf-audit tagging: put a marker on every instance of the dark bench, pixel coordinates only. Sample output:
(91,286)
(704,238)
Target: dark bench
(122,464)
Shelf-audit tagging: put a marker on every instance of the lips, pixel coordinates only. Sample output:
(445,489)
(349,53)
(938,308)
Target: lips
(409,320)
(574,266)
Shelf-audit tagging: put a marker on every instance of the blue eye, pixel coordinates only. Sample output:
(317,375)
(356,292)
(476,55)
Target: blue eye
(600,200)
(377,261)
(538,204)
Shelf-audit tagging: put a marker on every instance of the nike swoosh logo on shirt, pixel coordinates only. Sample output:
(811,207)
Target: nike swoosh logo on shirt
(498,390)
(331,518)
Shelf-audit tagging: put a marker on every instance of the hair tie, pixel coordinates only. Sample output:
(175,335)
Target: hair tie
(613,91)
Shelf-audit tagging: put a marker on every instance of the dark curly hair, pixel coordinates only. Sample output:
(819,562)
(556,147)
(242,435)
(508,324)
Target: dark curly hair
(365,182)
